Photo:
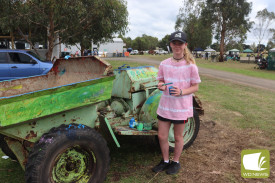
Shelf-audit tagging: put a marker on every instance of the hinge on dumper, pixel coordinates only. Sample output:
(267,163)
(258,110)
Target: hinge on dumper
(106,131)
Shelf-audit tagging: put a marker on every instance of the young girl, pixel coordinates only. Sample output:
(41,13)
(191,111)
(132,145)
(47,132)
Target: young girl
(176,107)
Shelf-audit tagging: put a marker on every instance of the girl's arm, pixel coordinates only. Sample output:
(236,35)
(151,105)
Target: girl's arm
(192,89)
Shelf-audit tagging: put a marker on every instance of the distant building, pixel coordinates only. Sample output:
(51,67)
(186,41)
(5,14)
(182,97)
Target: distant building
(111,48)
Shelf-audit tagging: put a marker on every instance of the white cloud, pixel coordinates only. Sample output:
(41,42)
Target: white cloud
(154,18)
(157,18)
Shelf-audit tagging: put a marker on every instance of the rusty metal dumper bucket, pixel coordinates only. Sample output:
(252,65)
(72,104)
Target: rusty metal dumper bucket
(32,106)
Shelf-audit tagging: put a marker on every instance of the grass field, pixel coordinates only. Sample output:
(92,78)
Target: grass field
(229,66)
(231,105)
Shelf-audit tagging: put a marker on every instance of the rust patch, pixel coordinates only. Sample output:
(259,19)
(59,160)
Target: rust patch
(132,90)
(31,135)
(32,124)
(28,144)
(140,105)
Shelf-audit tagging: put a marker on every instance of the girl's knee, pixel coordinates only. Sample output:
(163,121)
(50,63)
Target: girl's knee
(178,139)
(162,137)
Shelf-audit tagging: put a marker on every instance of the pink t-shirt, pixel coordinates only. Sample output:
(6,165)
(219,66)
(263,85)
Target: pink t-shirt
(182,75)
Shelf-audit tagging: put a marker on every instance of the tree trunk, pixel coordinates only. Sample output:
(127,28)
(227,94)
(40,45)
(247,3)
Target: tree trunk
(81,49)
(51,37)
(222,43)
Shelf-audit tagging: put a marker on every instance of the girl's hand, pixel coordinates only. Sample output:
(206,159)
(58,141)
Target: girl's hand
(160,87)
(175,91)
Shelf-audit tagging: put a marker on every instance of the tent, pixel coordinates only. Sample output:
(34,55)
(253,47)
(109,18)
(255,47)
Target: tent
(247,51)
(209,50)
(234,50)
(272,50)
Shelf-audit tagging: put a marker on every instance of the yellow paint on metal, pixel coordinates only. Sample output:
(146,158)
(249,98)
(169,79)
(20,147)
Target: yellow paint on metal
(12,88)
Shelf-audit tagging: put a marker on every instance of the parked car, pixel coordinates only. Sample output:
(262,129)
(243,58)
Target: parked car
(16,64)
(134,52)
(160,52)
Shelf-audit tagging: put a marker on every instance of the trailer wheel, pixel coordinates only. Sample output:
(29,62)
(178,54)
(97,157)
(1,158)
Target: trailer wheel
(190,132)
(5,148)
(69,153)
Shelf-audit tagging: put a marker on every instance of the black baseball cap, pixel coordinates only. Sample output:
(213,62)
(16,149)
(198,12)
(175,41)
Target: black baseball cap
(178,36)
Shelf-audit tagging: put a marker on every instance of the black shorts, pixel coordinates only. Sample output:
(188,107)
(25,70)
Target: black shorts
(172,121)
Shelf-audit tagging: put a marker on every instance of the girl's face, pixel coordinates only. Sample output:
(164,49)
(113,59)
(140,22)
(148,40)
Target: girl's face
(178,47)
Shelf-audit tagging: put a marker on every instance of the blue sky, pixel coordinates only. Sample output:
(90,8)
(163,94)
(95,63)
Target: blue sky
(157,18)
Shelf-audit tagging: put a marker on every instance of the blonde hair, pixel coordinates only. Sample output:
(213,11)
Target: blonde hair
(188,56)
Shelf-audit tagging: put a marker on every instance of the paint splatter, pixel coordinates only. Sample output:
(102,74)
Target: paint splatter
(11,88)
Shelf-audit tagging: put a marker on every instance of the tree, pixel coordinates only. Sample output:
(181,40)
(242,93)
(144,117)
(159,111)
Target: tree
(199,32)
(71,21)
(265,19)
(253,47)
(164,42)
(127,41)
(139,43)
(227,17)
(145,43)
(271,42)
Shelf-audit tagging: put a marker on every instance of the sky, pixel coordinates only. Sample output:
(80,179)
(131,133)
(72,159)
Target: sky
(157,18)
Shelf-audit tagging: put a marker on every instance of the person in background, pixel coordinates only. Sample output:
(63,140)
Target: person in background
(177,107)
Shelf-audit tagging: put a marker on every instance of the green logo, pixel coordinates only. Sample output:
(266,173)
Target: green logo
(255,163)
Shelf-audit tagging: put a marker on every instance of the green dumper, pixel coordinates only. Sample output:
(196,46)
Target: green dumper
(57,125)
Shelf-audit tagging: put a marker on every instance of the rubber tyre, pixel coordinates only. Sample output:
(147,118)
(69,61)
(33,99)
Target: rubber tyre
(190,132)
(5,148)
(69,153)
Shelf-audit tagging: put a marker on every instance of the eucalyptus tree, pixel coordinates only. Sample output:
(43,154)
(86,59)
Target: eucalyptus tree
(189,19)
(264,20)
(229,18)
(271,41)
(71,21)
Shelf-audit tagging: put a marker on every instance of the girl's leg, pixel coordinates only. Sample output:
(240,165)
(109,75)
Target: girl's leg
(163,131)
(178,131)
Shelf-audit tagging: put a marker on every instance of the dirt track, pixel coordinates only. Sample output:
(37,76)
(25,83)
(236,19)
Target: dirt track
(236,78)
(215,155)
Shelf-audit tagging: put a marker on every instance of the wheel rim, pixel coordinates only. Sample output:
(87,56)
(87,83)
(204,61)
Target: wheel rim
(75,164)
(188,132)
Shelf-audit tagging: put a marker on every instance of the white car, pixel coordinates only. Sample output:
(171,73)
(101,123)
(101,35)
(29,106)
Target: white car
(134,52)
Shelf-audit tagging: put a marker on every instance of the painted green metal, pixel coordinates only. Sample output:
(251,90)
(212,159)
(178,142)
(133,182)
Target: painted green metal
(148,111)
(138,98)
(111,132)
(47,102)
(133,79)
(34,129)
(74,165)
(125,130)
(17,149)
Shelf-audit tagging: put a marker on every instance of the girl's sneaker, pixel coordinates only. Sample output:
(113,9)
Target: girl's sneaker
(161,166)
(173,168)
